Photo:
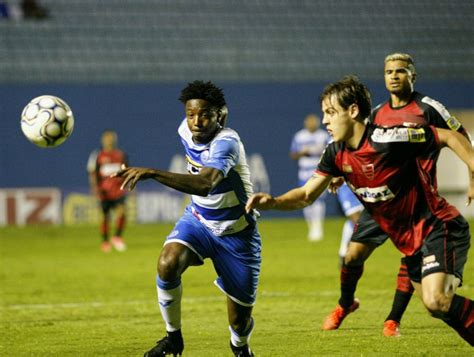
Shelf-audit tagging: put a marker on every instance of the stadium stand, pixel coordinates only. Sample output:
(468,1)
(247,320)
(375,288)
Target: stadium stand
(268,40)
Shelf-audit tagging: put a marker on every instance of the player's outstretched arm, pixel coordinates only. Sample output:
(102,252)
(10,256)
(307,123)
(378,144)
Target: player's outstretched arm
(294,199)
(463,149)
(200,184)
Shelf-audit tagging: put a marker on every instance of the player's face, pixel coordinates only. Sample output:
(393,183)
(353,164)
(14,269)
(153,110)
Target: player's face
(398,78)
(338,121)
(311,123)
(109,140)
(202,120)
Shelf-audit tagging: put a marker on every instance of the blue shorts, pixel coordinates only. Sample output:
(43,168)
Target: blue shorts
(236,257)
(348,200)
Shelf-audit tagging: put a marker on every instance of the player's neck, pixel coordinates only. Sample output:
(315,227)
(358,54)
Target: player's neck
(357,134)
(398,100)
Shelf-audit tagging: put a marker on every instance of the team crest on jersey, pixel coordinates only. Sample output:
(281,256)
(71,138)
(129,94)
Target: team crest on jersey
(173,234)
(346,168)
(416,135)
(204,156)
(374,194)
(369,171)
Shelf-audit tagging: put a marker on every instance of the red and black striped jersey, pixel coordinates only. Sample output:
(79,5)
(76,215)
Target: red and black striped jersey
(103,164)
(383,172)
(421,110)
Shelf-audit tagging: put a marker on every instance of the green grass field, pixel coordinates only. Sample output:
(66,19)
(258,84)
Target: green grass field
(61,296)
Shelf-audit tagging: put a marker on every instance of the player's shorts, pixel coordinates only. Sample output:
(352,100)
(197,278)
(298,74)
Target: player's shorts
(367,231)
(107,205)
(445,250)
(348,201)
(236,257)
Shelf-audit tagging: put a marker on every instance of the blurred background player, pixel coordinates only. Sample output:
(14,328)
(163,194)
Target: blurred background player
(103,163)
(307,147)
(409,108)
(352,209)
(215,224)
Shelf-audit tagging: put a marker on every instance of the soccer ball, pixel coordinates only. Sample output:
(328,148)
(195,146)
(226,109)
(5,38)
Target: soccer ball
(47,121)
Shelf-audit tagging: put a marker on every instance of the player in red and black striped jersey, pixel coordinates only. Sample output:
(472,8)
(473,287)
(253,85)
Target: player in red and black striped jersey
(101,165)
(381,165)
(408,108)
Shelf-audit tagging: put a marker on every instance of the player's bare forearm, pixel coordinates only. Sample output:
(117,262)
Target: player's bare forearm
(200,184)
(463,149)
(294,199)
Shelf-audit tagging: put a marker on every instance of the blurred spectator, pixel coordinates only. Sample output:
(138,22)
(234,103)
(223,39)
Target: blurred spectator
(32,10)
(28,9)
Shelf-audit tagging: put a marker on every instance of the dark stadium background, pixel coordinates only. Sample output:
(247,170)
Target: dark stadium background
(121,65)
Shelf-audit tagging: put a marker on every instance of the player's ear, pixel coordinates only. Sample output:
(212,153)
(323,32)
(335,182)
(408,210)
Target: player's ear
(223,112)
(354,111)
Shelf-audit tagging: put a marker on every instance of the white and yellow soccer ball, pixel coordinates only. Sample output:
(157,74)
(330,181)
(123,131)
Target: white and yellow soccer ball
(47,121)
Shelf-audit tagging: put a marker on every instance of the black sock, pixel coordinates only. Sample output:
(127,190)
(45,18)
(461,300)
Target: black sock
(350,276)
(399,305)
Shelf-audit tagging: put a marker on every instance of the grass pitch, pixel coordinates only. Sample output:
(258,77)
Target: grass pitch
(61,296)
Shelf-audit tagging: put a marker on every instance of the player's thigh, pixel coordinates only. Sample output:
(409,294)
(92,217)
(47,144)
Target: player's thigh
(174,259)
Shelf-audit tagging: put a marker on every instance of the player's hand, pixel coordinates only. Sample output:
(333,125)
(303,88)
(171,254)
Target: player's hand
(470,193)
(260,200)
(335,183)
(131,176)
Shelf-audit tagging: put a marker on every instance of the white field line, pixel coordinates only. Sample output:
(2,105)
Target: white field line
(197,299)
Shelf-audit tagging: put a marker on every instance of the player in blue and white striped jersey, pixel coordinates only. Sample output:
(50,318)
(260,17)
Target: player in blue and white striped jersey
(307,146)
(214,225)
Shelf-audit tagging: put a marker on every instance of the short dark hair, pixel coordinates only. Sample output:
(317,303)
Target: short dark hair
(207,91)
(350,90)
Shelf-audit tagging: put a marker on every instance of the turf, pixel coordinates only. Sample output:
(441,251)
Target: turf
(60,295)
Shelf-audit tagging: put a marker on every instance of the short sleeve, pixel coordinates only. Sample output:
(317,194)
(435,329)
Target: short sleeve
(223,154)
(327,165)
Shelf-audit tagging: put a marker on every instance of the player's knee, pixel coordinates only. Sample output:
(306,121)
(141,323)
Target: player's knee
(240,324)
(353,259)
(437,305)
(168,266)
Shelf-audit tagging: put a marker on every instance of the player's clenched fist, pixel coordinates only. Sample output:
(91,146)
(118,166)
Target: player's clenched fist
(260,200)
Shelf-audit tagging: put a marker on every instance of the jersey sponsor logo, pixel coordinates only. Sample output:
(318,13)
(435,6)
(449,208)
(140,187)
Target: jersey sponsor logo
(416,135)
(429,262)
(374,194)
(384,135)
(109,169)
(369,171)
(192,166)
(453,123)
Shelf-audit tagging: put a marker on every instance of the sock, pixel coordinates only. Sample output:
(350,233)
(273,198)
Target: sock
(104,229)
(243,339)
(347,230)
(169,299)
(350,276)
(120,225)
(461,317)
(402,294)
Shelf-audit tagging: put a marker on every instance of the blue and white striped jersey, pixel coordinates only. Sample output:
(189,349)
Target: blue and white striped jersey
(223,210)
(316,143)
